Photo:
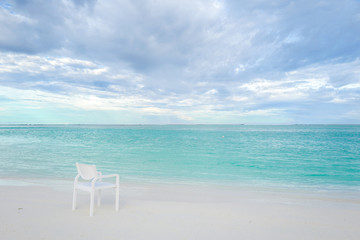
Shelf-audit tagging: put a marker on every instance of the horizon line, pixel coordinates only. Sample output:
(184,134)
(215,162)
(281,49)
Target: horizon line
(164,124)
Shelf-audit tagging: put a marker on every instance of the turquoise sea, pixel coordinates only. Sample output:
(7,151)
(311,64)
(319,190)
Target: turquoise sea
(303,156)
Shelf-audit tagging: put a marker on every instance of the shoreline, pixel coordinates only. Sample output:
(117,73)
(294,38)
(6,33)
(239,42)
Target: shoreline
(176,211)
(66,183)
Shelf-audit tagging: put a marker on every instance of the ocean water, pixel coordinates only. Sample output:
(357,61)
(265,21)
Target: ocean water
(304,156)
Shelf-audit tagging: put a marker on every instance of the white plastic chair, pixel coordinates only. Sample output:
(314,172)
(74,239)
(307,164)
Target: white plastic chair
(87,173)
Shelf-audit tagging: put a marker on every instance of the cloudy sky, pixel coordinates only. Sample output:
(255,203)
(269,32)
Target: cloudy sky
(188,61)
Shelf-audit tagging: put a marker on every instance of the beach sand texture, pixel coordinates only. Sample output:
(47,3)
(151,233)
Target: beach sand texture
(177,212)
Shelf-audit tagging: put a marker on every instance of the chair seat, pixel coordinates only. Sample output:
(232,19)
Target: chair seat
(86,186)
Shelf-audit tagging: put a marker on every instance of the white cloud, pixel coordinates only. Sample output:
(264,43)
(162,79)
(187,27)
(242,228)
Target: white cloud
(239,98)
(69,61)
(338,100)
(63,69)
(285,89)
(350,86)
(211,92)
(240,68)
(315,83)
(86,99)
(263,112)
(22,63)
(127,75)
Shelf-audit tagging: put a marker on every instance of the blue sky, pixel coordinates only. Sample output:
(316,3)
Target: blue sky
(171,62)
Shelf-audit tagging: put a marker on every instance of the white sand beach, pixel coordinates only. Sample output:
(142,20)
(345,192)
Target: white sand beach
(150,211)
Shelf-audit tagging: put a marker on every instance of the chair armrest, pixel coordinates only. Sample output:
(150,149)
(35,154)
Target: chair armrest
(107,176)
(76,179)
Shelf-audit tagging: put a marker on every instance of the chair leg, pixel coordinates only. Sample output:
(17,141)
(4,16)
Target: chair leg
(117,198)
(74,199)
(99,198)
(92,203)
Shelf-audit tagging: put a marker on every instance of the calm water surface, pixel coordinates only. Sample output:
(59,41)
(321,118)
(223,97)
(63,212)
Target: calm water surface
(310,156)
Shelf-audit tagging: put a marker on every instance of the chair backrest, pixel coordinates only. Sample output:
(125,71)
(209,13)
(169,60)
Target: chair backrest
(86,171)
